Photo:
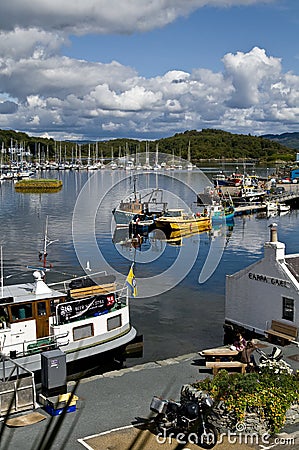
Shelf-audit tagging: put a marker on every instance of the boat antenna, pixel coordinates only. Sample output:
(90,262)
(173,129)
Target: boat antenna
(43,255)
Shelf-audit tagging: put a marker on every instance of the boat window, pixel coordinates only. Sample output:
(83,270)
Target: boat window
(41,309)
(173,213)
(21,312)
(83,332)
(3,317)
(114,322)
(288,308)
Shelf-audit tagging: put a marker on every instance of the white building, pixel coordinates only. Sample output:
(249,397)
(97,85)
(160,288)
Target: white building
(266,290)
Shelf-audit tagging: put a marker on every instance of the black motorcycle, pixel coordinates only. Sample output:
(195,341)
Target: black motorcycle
(189,418)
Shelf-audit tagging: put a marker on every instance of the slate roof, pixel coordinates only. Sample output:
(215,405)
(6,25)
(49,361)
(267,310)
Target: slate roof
(292,263)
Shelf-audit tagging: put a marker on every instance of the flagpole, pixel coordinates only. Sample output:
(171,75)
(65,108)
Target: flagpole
(131,267)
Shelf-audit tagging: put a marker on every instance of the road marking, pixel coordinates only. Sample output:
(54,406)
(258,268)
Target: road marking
(103,433)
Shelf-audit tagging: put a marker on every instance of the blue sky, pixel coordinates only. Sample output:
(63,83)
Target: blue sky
(200,40)
(101,69)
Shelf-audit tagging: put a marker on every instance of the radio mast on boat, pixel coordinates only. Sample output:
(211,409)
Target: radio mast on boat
(1,275)
(43,255)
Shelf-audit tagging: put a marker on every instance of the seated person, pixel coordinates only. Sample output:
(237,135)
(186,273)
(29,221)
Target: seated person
(245,350)
(240,343)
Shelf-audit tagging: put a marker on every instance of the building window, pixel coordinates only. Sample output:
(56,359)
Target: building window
(288,308)
(83,332)
(114,322)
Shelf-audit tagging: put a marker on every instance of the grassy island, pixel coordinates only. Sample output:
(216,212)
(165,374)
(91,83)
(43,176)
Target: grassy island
(38,185)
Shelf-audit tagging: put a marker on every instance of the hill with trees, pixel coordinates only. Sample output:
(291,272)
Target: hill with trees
(288,139)
(204,144)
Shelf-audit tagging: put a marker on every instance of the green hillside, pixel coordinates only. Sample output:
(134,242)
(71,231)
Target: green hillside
(288,139)
(205,144)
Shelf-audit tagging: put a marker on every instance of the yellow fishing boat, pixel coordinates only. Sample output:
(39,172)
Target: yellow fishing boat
(178,219)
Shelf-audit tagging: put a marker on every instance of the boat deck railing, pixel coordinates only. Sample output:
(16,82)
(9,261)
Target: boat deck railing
(65,283)
(37,345)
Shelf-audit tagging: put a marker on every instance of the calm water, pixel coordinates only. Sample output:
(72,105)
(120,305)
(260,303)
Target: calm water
(175,312)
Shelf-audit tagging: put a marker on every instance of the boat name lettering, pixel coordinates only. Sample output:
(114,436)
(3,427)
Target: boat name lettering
(270,280)
(86,307)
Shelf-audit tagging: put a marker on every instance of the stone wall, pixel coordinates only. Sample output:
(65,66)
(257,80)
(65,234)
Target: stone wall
(292,415)
(224,420)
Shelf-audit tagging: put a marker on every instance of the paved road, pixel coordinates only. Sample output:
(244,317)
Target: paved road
(113,400)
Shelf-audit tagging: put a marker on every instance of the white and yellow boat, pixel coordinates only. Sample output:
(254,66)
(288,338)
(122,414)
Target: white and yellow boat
(178,219)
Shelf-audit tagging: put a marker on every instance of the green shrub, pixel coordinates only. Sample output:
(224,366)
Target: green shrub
(267,393)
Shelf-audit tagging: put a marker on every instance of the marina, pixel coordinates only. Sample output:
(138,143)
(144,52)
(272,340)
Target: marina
(231,245)
(167,302)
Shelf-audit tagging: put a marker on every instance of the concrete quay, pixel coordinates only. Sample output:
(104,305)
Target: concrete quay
(110,404)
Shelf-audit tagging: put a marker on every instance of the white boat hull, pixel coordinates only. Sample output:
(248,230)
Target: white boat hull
(86,350)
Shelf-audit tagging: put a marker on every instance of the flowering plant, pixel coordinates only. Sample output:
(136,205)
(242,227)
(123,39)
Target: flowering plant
(269,393)
(276,366)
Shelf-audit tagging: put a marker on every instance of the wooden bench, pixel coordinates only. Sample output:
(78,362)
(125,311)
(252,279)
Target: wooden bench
(92,290)
(216,365)
(283,331)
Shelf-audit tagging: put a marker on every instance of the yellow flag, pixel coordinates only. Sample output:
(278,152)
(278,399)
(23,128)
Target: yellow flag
(131,282)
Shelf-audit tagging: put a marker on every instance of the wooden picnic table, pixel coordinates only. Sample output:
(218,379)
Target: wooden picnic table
(219,352)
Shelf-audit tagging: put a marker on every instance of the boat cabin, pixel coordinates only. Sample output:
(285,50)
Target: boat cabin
(26,312)
(35,317)
(174,212)
(266,292)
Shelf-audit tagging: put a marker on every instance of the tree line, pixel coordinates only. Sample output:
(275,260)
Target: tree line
(204,144)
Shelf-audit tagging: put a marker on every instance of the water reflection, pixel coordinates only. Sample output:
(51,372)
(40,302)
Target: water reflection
(155,240)
(185,318)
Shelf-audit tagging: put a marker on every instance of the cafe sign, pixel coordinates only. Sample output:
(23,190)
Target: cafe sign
(269,280)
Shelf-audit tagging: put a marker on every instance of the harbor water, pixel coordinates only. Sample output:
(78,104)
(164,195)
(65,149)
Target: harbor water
(179,308)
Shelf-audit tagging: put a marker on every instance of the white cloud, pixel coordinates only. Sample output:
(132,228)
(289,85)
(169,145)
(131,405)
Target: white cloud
(102,16)
(248,73)
(59,94)
(23,43)
(43,91)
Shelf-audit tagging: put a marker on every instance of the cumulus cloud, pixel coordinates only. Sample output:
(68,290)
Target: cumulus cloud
(58,95)
(46,92)
(249,73)
(29,43)
(102,16)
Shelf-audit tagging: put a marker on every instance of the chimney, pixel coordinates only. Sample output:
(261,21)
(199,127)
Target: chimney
(274,249)
(273,232)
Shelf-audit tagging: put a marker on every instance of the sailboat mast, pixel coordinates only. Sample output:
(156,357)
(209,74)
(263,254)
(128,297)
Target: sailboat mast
(45,244)
(1,275)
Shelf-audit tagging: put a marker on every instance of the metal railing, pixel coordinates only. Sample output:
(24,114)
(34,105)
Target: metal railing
(37,345)
(18,393)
